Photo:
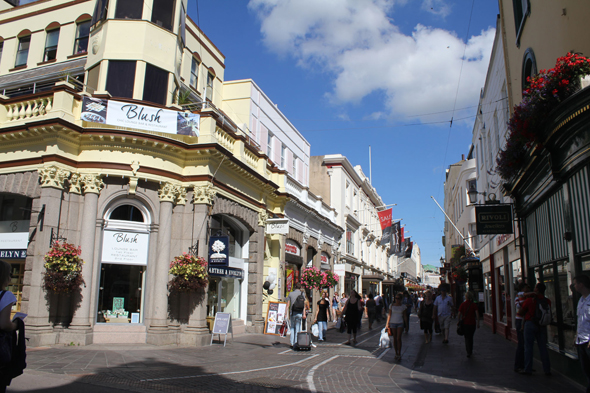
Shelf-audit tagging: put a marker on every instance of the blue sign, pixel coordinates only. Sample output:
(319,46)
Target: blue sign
(219,250)
(229,272)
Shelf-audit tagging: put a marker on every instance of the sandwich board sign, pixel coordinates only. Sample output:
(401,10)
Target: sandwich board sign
(222,325)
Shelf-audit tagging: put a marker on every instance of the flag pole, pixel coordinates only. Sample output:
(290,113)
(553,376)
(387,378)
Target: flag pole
(457,229)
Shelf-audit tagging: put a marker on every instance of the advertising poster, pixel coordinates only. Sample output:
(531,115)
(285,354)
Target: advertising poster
(275,317)
(290,280)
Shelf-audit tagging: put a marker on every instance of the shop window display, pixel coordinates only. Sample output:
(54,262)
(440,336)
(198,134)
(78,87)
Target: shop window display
(502,295)
(119,298)
(488,292)
(549,280)
(568,307)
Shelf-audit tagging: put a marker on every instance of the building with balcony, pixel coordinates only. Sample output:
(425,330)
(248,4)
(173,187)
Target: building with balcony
(308,233)
(112,126)
(366,263)
(550,190)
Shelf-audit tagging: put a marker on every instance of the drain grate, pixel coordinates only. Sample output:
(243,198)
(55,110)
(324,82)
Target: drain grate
(270,383)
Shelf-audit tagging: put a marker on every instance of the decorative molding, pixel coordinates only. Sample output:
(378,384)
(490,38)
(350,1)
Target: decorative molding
(180,195)
(53,176)
(306,237)
(168,192)
(92,183)
(133,180)
(75,184)
(134,167)
(204,195)
(262,218)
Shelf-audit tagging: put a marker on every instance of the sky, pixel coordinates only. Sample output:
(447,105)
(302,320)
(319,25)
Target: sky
(353,76)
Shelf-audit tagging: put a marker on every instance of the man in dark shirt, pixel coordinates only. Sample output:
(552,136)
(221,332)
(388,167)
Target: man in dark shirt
(533,331)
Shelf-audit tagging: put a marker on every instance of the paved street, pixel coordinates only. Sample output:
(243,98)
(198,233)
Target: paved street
(262,363)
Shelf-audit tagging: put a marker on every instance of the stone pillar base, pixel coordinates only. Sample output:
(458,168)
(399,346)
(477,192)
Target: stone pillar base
(257,327)
(41,337)
(161,337)
(194,337)
(75,337)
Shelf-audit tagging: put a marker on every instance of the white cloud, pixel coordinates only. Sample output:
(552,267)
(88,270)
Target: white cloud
(358,44)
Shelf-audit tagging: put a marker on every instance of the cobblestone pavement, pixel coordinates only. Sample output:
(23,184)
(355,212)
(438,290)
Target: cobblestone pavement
(263,363)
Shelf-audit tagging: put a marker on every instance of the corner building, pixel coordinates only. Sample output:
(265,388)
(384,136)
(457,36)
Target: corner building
(165,166)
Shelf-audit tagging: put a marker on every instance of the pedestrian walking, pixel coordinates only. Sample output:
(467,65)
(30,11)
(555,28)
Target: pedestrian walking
(425,312)
(343,301)
(7,299)
(582,286)
(297,306)
(535,329)
(322,314)
(352,314)
(443,309)
(409,303)
(371,307)
(379,307)
(469,316)
(519,321)
(362,303)
(335,306)
(396,320)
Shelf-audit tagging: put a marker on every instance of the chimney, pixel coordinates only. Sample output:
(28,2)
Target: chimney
(462,157)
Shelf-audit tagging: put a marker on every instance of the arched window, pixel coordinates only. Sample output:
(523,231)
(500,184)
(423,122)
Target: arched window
(51,40)
(529,67)
(22,52)
(127,213)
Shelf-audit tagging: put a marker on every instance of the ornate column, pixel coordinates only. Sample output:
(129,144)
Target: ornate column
(39,330)
(91,184)
(257,280)
(158,322)
(197,331)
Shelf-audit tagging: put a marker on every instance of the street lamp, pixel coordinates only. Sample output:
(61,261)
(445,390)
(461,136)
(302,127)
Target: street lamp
(473,195)
(442,261)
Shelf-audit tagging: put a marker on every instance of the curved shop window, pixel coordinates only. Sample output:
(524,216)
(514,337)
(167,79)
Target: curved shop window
(125,244)
(15,216)
(225,280)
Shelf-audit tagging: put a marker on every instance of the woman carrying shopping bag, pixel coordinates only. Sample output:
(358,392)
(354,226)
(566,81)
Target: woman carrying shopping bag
(396,319)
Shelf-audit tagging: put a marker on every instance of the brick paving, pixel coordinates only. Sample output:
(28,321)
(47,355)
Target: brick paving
(262,363)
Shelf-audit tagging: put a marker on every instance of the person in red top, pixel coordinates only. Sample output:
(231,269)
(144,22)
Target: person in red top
(532,332)
(469,314)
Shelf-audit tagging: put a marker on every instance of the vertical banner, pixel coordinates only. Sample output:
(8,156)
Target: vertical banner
(385,222)
(395,237)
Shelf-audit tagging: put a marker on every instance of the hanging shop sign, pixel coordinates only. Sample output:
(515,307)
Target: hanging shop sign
(219,250)
(277,226)
(292,248)
(227,272)
(340,269)
(493,219)
(148,118)
(125,248)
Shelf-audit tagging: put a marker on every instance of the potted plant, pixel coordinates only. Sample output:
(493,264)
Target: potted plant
(460,275)
(190,273)
(63,268)
(313,278)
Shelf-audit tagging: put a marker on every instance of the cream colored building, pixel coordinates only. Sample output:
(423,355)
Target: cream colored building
(111,123)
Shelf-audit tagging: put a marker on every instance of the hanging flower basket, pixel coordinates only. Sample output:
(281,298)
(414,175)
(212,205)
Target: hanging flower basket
(460,276)
(190,273)
(313,278)
(546,90)
(63,268)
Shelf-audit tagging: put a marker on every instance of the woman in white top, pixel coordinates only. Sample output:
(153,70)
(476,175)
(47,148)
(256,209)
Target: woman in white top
(396,319)
(6,302)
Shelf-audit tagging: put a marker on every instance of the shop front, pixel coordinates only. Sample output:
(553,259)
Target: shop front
(293,265)
(371,283)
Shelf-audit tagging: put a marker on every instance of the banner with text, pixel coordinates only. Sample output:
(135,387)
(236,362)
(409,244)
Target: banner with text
(142,117)
(385,222)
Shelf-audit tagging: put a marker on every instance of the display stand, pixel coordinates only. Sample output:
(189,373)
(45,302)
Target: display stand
(222,325)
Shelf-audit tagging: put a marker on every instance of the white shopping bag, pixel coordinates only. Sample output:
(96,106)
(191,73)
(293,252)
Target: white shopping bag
(315,330)
(384,339)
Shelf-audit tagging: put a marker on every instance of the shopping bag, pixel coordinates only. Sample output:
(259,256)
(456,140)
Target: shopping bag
(384,339)
(338,323)
(315,330)
(283,331)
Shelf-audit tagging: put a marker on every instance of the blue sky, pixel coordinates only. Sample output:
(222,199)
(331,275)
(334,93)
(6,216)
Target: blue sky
(350,74)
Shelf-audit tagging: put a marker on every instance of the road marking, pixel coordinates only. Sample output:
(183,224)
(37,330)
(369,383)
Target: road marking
(230,372)
(384,352)
(312,372)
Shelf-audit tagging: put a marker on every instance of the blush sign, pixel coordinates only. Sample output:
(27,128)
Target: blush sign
(127,248)
(385,218)
(292,248)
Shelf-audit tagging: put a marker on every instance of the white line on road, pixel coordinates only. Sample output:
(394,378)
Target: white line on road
(312,372)
(231,372)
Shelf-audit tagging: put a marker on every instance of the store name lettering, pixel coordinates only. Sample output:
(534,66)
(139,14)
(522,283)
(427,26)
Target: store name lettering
(133,114)
(493,217)
(291,249)
(124,238)
(13,254)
